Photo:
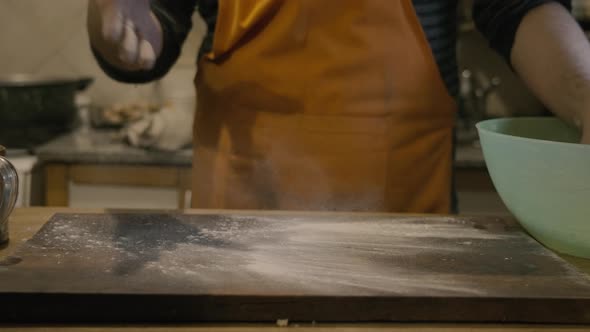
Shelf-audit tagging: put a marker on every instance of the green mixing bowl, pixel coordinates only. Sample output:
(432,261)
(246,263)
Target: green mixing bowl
(543,177)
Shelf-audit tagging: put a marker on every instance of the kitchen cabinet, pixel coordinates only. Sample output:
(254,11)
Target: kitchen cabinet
(92,169)
(116,186)
(475,190)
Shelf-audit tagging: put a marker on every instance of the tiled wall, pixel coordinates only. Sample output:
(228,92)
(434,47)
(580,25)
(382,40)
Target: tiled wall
(48,37)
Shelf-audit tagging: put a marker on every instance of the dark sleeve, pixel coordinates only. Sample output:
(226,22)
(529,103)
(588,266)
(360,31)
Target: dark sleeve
(208,10)
(498,20)
(176,19)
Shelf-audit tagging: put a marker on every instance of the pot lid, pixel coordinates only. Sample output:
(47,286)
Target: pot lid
(28,80)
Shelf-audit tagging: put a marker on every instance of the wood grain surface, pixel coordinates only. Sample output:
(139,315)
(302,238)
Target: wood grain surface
(298,328)
(305,267)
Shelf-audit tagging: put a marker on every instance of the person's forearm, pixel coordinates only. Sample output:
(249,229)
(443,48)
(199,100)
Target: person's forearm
(552,55)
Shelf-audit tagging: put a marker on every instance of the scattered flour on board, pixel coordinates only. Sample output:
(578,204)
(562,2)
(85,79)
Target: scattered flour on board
(295,253)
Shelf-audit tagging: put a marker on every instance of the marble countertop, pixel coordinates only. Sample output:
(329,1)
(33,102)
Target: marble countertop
(104,147)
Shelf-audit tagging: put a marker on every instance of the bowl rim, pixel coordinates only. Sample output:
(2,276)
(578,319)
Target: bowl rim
(527,139)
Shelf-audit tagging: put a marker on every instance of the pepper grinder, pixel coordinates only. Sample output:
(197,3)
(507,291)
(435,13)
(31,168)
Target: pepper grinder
(8,193)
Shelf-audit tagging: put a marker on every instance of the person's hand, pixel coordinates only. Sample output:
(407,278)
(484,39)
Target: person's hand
(125,32)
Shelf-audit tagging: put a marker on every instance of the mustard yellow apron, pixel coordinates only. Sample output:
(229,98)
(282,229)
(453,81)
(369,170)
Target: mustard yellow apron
(321,105)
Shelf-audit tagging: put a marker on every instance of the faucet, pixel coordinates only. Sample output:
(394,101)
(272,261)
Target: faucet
(474,97)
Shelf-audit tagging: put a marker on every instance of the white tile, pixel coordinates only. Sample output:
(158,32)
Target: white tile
(49,37)
(105,91)
(36,30)
(56,66)
(77,52)
(193,42)
(21,45)
(50,13)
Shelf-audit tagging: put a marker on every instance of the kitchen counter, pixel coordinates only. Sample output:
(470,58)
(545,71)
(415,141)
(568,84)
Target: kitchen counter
(102,147)
(99,157)
(26,222)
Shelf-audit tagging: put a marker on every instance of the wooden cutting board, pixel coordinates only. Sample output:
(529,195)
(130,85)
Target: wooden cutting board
(264,267)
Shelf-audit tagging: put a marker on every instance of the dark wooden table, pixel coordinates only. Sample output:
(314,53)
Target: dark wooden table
(26,222)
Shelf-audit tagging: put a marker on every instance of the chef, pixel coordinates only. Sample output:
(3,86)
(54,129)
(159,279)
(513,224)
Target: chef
(335,104)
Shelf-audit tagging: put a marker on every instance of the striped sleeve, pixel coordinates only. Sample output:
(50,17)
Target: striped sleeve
(439,22)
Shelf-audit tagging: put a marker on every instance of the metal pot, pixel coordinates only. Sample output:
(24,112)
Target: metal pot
(34,109)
